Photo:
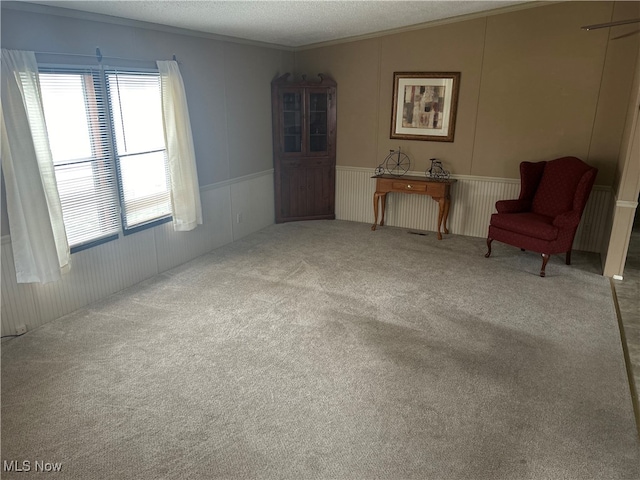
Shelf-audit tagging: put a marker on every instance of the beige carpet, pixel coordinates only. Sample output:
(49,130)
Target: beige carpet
(325,350)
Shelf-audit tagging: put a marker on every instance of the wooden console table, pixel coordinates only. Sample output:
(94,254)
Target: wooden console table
(438,189)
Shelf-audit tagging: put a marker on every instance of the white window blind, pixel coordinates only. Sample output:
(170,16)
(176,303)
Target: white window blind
(79,139)
(107,140)
(136,115)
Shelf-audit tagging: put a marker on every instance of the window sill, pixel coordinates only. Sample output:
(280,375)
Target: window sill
(151,224)
(110,238)
(93,243)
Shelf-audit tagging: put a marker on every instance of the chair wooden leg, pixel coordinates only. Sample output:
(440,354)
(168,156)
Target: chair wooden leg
(489,240)
(568,259)
(545,259)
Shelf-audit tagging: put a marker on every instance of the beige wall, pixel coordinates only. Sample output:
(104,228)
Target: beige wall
(627,181)
(534,86)
(618,91)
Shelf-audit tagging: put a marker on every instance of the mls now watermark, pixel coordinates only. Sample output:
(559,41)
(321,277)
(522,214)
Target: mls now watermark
(29,466)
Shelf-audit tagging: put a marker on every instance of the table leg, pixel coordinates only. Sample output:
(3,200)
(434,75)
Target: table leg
(382,196)
(447,205)
(441,207)
(376,197)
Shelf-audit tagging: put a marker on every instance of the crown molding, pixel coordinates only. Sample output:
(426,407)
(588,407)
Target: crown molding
(126,22)
(98,17)
(434,23)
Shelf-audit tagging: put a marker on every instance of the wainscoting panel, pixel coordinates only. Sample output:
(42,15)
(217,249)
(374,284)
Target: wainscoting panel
(18,305)
(96,273)
(472,203)
(592,231)
(354,194)
(252,205)
(106,269)
(175,248)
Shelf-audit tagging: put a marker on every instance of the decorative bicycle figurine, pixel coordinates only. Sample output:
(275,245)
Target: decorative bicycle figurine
(436,170)
(397,163)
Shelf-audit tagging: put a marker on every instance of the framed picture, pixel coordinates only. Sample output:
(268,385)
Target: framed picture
(424,105)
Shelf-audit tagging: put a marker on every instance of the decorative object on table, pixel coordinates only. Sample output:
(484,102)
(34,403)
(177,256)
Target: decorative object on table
(397,163)
(424,105)
(436,170)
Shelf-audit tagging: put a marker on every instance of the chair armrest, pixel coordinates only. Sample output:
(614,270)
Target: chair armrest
(569,219)
(513,206)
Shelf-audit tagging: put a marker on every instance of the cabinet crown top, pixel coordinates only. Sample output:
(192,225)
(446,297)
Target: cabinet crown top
(324,80)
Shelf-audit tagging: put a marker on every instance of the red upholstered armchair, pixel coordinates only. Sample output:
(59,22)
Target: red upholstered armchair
(546,216)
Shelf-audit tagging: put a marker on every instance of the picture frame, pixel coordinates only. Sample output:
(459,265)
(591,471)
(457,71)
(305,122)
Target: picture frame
(425,105)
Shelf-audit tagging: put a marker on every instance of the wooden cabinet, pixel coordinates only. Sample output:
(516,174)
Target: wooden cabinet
(304,148)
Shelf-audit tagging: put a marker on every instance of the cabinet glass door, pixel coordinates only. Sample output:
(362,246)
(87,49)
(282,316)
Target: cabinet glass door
(292,121)
(317,122)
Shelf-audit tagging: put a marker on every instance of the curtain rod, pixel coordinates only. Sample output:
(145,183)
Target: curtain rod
(98,56)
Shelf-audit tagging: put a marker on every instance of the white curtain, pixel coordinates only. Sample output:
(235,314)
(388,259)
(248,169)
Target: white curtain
(40,248)
(185,191)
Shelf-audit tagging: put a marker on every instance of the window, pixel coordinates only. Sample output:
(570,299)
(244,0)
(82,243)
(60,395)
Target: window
(136,113)
(107,140)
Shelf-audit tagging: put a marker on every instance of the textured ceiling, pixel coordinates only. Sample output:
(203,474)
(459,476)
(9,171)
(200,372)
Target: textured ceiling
(293,23)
